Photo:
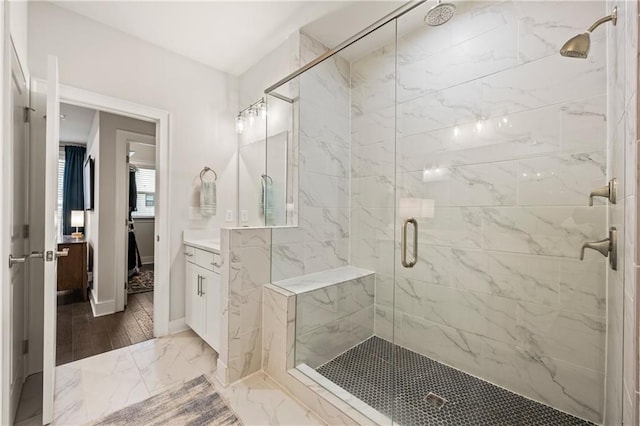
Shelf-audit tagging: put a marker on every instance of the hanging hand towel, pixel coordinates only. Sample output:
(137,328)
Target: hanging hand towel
(208,200)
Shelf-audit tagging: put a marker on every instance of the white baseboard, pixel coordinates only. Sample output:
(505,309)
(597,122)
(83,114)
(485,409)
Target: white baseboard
(100,309)
(176,326)
(146,260)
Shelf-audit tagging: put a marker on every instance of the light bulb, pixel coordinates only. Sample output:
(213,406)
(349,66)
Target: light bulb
(263,109)
(251,116)
(239,124)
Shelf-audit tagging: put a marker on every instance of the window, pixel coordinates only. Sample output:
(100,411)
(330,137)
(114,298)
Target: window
(61,162)
(146,185)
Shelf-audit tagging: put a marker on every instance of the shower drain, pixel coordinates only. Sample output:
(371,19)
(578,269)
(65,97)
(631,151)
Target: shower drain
(435,401)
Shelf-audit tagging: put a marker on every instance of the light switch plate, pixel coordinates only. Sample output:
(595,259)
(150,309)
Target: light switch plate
(244,215)
(229,216)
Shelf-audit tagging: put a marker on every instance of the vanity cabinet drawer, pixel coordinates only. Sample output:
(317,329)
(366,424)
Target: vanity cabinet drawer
(207,260)
(189,254)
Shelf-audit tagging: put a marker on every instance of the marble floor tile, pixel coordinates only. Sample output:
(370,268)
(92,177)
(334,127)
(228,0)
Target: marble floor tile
(162,365)
(93,387)
(258,400)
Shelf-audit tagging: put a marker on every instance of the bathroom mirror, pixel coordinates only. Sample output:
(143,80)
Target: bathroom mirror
(262,181)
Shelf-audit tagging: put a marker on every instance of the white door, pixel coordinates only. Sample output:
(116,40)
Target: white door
(50,237)
(17,196)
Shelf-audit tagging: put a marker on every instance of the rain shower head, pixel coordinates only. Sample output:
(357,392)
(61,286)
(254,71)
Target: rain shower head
(440,14)
(578,46)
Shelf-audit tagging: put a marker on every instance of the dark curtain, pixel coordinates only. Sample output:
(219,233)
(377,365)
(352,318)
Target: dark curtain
(73,189)
(134,260)
(133,192)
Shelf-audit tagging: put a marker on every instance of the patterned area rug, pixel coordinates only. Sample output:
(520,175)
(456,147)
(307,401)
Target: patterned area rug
(194,403)
(142,281)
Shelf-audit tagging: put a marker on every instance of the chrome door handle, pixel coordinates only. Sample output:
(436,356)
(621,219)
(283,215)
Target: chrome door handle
(14,260)
(609,191)
(36,255)
(404,243)
(63,253)
(607,247)
(199,283)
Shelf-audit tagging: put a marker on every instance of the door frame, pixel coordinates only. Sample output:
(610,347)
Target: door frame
(123,139)
(162,251)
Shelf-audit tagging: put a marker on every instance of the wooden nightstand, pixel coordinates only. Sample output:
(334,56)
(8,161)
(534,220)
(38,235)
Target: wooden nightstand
(72,269)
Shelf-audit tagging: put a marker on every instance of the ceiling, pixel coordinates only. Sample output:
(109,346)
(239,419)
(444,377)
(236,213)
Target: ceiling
(227,35)
(76,123)
(336,27)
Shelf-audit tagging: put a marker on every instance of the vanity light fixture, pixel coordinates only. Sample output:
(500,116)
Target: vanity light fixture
(257,109)
(239,124)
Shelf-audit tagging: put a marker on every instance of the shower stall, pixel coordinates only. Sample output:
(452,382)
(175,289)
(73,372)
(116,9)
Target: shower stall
(441,165)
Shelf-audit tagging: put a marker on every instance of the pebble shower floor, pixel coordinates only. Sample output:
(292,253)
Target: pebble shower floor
(366,371)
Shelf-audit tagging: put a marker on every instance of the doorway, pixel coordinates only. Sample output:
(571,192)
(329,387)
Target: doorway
(98,149)
(97,313)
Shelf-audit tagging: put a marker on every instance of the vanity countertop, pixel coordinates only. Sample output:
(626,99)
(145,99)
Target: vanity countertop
(208,240)
(208,245)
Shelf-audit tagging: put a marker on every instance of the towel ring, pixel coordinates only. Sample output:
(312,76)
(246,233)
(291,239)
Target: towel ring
(204,171)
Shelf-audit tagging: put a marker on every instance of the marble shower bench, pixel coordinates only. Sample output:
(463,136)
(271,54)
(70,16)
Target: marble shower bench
(335,311)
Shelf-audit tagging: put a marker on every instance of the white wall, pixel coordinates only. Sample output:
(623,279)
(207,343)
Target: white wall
(272,67)
(104,288)
(18,29)
(144,238)
(202,103)
(91,228)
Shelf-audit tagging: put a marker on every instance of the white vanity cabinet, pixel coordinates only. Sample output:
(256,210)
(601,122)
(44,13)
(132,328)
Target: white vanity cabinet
(203,298)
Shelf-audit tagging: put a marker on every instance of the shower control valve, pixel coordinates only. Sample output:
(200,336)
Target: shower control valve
(609,191)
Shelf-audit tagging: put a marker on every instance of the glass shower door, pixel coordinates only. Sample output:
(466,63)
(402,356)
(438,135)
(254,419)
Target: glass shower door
(493,168)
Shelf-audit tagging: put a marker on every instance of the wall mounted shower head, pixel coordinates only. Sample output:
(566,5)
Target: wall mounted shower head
(578,46)
(440,14)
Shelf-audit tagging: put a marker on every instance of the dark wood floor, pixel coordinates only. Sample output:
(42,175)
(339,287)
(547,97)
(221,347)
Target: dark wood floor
(80,335)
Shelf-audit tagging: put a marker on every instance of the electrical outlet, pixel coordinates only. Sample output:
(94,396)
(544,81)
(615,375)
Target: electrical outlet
(229,216)
(244,215)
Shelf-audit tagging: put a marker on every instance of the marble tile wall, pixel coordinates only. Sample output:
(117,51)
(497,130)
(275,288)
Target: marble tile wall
(279,356)
(507,138)
(321,239)
(245,257)
(622,331)
(332,319)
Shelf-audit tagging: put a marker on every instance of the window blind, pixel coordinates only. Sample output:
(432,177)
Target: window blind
(146,184)
(61,163)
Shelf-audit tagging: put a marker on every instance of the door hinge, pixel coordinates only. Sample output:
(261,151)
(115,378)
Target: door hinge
(27,114)
(25,231)
(25,347)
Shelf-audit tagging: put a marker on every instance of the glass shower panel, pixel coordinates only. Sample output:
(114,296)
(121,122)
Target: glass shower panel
(278,184)
(493,171)
(344,119)
(252,154)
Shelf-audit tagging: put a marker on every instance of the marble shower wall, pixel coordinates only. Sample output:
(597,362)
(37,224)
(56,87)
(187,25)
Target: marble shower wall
(622,325)
(245,270)
(321,239)
(332,319)
(507,138)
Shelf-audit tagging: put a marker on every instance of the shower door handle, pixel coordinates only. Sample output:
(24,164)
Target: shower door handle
(404,243)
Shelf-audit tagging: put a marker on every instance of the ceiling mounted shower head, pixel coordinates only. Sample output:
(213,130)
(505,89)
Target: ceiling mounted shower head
(440,14)
(578,46)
